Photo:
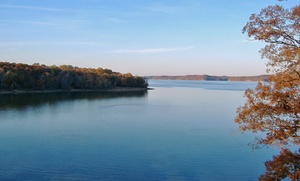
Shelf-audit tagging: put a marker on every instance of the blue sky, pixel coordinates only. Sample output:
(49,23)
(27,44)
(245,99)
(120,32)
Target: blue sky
(143,37)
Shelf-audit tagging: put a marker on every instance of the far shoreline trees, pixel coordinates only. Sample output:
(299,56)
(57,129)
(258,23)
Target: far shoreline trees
(19,76)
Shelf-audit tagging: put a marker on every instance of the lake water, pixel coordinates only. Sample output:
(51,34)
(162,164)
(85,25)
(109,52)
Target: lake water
(181,130)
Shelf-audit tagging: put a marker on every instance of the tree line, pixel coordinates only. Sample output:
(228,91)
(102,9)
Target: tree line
(19,76)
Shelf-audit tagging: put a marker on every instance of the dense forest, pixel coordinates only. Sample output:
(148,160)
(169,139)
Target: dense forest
(18,76)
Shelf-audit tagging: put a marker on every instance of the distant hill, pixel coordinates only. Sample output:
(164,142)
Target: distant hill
(212,78)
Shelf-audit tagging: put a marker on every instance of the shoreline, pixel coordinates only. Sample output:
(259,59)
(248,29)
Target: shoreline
(119,89)
(212,78)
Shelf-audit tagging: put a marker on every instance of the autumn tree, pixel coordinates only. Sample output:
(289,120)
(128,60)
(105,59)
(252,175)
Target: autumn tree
(273,107)
(65,77)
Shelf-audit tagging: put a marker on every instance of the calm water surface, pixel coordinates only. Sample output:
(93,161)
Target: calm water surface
(182,130)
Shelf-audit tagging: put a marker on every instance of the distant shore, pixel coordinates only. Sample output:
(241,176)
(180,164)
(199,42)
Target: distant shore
(119,89)
(211,78)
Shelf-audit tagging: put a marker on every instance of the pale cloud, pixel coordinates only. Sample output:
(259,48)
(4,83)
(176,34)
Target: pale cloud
(248,40)
(163,8)
(29,22)
(153,50)
(115,20)
(54,22)
(35,43)
(34,8)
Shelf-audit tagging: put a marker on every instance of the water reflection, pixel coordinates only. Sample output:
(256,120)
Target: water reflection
(284,165)
(24,101)
(208,85)
(180,133)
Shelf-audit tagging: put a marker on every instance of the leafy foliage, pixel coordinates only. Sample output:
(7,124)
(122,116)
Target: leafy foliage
(274,107)
(17,76)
